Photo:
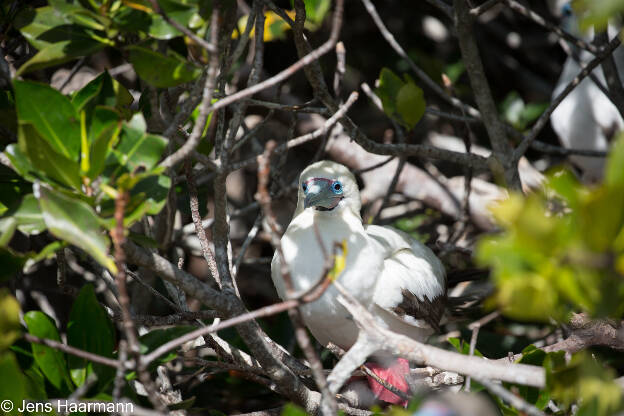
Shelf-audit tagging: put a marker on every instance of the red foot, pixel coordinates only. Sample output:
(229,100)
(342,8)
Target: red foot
(394,375)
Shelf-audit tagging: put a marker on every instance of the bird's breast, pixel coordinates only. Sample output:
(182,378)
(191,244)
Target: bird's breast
(326,317)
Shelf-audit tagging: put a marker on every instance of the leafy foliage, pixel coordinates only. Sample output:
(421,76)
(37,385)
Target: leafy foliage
(561,250)
(64,144)
(402,100)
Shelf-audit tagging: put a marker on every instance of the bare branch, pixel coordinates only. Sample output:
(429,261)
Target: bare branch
(543,119)
(205,109)
(502,150)
(516,401)
(525,11)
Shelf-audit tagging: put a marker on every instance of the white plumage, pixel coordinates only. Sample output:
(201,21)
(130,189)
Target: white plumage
(390,273)
(586,118)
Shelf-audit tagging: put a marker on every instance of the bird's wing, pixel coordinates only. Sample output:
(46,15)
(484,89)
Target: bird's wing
(412,284)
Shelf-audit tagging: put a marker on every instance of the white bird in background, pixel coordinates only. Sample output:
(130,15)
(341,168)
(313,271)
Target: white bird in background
(400,280)
(586,118)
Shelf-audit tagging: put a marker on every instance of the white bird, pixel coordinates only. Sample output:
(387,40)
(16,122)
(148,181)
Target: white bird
(586,118)
(398,279)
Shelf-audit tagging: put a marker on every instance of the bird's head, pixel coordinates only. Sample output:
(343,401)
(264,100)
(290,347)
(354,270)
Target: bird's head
(328,187)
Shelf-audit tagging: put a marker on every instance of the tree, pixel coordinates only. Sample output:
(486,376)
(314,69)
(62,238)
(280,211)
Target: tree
(151,150)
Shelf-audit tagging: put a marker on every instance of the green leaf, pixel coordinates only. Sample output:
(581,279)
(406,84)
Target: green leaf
(56,38)
(20,162)
(74,221)
(103,134)
(582,380)
(51,113)
(90,329)
(316,10)
(9,319)
(410,104)
(614,175)
(45,26)
(79,15)
(136,148)
(12,382)
(389,86)
(176,11)
(51,362)
(160,70)
(44,160)
(104,91)
(59,53)
(25,216)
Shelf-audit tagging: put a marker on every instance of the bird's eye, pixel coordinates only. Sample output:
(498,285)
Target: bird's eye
(337,187)
(304,186)
(566,10)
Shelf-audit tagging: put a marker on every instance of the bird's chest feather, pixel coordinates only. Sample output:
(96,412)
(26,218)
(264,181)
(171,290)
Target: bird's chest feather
(326,317)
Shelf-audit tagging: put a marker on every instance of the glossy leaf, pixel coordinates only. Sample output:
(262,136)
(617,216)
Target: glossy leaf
(104,91)
(160,70)
(51,362)
(59,53)
(74,221)
(89,329)
(45,26)
(11,263)
(29,219)
(44,160)
(51,113)
(79,15)
(103,134)
(136,149)
(20,162)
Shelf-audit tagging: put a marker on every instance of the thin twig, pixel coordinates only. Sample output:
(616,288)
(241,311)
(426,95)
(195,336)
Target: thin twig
(502,151)
(516,401)
(292,69)
(119,238)
(210,47)
(543,119)
(309,296)
(422,75)
(616,90)
(73,351)
(479,10)
(298,141)
(205,108)
(525,11)
(197,222)
(122,352)
(328,401)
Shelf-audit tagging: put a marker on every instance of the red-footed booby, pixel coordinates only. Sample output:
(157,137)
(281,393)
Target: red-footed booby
(398,279)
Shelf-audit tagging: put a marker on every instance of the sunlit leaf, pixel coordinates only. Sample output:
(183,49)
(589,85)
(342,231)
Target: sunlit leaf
(74,221)
(51,113)
(45,160)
